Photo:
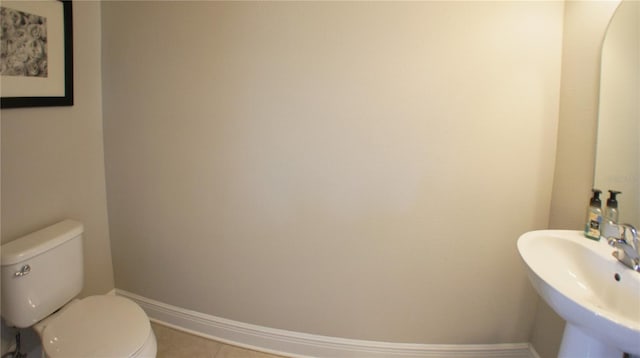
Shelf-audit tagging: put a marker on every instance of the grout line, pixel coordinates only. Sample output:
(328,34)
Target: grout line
(215,355)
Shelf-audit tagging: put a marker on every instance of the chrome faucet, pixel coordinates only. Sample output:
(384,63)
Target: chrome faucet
(627,249)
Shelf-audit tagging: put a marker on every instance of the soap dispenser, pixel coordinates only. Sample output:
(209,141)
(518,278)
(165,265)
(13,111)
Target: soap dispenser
(594,216)
(611,211)
(609,226)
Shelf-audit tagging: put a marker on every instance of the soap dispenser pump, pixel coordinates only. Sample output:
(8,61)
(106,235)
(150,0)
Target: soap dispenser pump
(594,216)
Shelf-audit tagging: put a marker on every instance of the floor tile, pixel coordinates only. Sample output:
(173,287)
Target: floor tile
(236,352)
(175,344)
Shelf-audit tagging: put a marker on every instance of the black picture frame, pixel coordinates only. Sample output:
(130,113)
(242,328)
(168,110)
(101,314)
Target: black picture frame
(66,98)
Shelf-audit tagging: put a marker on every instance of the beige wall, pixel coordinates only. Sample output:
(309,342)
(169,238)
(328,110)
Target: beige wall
(53,160)
(360,170)
(585,23)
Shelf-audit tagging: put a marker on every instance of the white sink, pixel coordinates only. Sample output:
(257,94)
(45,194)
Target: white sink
(597,295)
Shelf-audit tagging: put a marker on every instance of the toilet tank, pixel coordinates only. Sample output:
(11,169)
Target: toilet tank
(41,272)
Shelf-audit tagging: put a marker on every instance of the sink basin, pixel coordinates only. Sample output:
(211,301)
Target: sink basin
(597,295)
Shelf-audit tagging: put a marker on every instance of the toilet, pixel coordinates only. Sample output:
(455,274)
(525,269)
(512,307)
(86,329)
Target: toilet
(42,273)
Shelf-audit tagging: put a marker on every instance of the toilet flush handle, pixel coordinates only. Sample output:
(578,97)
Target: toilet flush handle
(23,271)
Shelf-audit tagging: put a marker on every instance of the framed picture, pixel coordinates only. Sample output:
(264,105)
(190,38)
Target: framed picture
(36,60)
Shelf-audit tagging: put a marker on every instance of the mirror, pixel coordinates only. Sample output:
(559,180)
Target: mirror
(617,164)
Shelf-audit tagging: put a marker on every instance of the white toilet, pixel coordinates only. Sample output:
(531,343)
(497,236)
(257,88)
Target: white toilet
(42,273)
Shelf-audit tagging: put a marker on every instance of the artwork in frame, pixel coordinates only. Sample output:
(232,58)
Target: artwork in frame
(36,58)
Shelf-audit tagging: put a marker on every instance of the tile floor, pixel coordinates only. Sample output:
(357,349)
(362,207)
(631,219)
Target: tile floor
(176,344)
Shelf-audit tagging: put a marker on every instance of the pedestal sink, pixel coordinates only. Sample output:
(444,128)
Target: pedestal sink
(597,295)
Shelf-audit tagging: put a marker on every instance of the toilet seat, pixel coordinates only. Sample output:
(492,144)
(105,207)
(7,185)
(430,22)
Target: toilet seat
(97,326)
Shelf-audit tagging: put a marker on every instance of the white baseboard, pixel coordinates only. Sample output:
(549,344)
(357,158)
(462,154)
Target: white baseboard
(296,344)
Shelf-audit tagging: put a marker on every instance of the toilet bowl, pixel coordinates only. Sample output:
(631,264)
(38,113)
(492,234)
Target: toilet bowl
(41,274)
(97,326)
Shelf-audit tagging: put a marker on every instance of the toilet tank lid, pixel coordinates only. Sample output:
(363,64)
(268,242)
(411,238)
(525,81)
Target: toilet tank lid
(40,241)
